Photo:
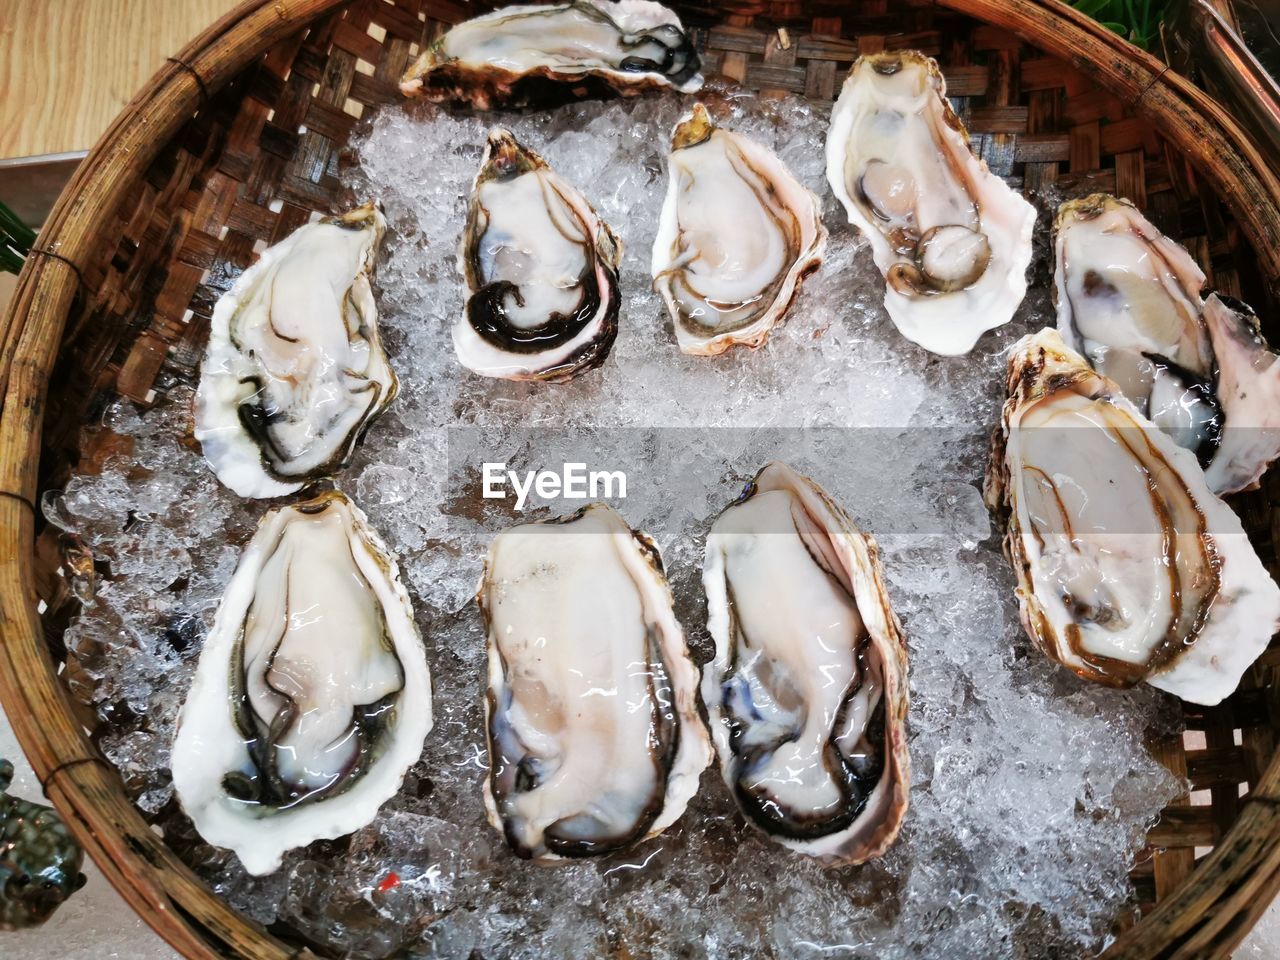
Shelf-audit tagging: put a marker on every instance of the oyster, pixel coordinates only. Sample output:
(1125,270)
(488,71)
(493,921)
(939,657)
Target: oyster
(952,239)
(807,692)
(1248,395)
(294,373)
(312,696)
(1129,568)
(520,54)
(541,270)
(594,736)
(737,235)
(1129,299)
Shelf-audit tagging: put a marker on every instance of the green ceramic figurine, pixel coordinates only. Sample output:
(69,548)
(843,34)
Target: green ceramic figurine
(39,860)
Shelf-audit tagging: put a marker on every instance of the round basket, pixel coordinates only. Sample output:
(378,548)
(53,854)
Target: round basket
(236,141)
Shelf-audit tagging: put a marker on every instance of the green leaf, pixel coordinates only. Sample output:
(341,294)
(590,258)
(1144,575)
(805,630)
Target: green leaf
(1138,21)
(10,262)
(13,229)
(1091,8)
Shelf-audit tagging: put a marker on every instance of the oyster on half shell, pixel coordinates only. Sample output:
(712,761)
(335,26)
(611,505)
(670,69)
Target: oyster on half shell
(312,696)
(541,270)
(294,373)
(594,736)
(952,239)
(1130,300)
(521,54)
(1129,567)
(807,691)
(737,234)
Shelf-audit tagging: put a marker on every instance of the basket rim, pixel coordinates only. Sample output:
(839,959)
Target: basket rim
(1208,915)
(85,789)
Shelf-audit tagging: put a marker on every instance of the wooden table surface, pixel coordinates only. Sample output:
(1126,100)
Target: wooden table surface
(67,67)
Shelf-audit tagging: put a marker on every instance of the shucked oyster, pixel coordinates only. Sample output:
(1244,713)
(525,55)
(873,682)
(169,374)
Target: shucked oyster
(807,692)
(541,270)
(294,373)
(1129,299)
(519,54)
(1128,567)
(312,696)
(738,233)
(594,736)
(952,239)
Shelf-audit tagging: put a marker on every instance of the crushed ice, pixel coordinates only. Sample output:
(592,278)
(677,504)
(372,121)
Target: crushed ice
(1031,790)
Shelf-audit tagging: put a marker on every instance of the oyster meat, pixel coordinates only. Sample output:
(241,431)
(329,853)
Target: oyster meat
(1129,300)
(541,270)
(522,54)
(594,736)
(1129,567)
(737,234)
(952,239)
(294,373)
(807,691)
(312,696)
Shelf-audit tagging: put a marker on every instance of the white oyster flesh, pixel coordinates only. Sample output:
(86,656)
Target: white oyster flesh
(294,373)
(737,234)
(807,692)
(312,696)
(541,270)
(1129,567)
(1128,299)
(952,240)
(630,45)
(1248,393)
(594,736)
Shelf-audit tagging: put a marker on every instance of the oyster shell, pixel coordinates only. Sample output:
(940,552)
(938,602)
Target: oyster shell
(541,270)
(952,239)
(1248,394)
(521,54)
(312,696)
(294,373)
(737,235)
(595,741)
(1129,300)
(1129,568)
(807,691)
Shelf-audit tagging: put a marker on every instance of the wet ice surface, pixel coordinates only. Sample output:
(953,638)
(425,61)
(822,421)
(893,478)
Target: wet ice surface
(1031,790)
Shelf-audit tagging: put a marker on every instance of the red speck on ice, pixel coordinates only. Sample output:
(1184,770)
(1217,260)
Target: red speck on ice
(389,882)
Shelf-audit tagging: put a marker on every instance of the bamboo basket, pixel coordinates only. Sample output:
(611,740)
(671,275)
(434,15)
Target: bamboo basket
(208,160)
